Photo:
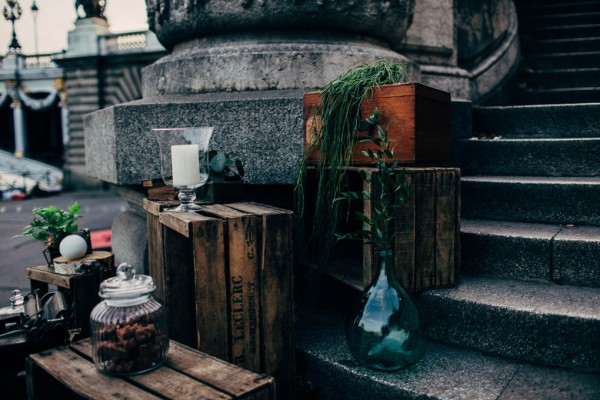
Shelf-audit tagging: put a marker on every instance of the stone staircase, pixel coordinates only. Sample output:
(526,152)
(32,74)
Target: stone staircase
(524,322)
(560,42)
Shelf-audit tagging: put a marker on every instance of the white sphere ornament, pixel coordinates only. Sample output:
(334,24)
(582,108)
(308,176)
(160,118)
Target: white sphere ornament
(73,247)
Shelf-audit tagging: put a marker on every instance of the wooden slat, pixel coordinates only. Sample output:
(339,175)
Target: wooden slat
(230,379)
(276,296)
(82,377)
(164,380)
(180,222)
(445,228)
(244,291)
(179,286)
(208,245)
(156,265)
(404,241)
(44,274)
(425,215)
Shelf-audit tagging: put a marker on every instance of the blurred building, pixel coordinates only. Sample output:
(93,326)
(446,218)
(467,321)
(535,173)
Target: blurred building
(43,97)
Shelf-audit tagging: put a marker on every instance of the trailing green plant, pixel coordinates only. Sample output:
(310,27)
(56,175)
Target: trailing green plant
(388,192)
(223,168)
(335,135)
(52,224)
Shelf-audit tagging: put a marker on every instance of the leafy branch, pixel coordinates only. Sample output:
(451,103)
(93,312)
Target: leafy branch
(387,195)
(336,122)
(223,168)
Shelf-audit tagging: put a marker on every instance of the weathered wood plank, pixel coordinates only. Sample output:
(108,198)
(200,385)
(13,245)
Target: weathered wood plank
(179,286)
(230,379)
(425,214)
(210,266)
(44,274)
(244,291)
(82,377)
(164,380)
(156,263)
(405,239)
(445,228)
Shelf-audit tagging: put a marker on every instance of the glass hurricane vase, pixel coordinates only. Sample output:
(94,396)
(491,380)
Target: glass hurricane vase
(183,156)
(385,332)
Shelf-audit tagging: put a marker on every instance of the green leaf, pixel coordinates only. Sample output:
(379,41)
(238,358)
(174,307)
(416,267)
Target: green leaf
(218,163)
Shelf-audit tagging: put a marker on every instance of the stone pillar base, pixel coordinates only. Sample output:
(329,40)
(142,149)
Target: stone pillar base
(264,61)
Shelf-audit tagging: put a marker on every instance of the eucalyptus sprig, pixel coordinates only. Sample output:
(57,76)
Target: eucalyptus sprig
(336,121)
(387,194)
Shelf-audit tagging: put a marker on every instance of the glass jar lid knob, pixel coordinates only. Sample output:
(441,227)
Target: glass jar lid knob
(127,284)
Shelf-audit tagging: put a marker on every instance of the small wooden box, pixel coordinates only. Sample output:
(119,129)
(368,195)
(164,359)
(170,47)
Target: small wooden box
(69,372)
(427,233)
(81,289)
(225,275)
(417,118)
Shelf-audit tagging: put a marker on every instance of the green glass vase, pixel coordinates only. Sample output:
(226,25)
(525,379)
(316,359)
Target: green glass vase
(385,332)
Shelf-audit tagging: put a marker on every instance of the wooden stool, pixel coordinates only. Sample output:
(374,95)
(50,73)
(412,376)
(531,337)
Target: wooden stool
(81,291)
(69,372)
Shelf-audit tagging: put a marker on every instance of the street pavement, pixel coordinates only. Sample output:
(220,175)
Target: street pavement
(98,209)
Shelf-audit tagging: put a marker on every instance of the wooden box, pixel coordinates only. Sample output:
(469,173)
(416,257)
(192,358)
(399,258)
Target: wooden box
(417,118)
(69,373)
(225,275)
(81,289)
(427,233)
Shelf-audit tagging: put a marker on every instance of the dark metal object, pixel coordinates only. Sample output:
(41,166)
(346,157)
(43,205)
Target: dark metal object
(37,318)
(12,12)
(90,8)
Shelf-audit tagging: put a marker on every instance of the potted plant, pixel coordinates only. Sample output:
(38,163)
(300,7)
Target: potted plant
(385,332)
(51,225)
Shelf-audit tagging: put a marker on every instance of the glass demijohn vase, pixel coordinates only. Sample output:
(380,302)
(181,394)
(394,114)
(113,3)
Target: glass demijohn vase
(385,334)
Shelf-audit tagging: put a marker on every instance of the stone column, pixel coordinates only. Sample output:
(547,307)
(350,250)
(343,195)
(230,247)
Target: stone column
(241,66)
(19,128)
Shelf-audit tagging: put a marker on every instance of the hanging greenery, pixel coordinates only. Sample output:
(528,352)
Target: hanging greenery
(336,121)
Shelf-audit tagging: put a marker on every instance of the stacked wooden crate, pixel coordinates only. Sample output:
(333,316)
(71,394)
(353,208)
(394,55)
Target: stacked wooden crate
(427,227)
(225,275)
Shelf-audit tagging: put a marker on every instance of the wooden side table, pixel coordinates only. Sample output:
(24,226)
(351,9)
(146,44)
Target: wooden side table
(68,372)
(81,291)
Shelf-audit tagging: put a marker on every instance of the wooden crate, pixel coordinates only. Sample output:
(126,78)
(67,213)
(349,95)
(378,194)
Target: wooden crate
(68,372)
(427,242)
(81,289)
(225,275)
(417,118)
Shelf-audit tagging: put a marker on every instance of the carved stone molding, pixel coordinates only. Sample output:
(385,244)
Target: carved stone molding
(175,21)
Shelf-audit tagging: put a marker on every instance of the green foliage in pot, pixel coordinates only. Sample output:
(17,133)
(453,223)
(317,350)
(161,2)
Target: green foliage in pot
(387,194)
(52,224)
(223,168)
(334,136)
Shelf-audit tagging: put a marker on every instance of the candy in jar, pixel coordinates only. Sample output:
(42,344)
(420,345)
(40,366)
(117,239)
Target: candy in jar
(129,326)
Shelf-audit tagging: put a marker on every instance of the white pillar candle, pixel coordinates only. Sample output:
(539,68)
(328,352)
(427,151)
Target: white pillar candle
(186,166)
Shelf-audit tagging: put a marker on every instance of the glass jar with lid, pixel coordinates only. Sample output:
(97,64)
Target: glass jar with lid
(129,327)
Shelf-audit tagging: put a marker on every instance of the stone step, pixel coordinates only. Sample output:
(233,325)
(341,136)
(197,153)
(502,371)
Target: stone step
(532,199)
(536,322)
(548,8)
(576,17)
(569,45)
(564,255)
(559,96)
(561,31)
(531,157)
(560,78)
(585,59)
(564,120)
(445,372)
